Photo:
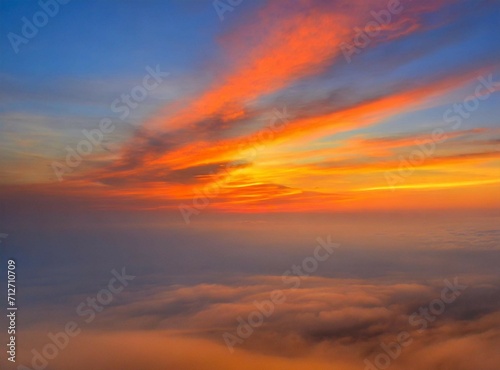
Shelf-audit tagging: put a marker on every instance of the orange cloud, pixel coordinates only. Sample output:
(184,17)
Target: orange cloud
(326,323)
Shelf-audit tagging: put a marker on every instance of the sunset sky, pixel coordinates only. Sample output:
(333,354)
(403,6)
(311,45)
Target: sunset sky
(206,145)
(351,118)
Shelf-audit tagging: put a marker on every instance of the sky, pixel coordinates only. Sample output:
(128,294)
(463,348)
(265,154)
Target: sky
(206,146)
